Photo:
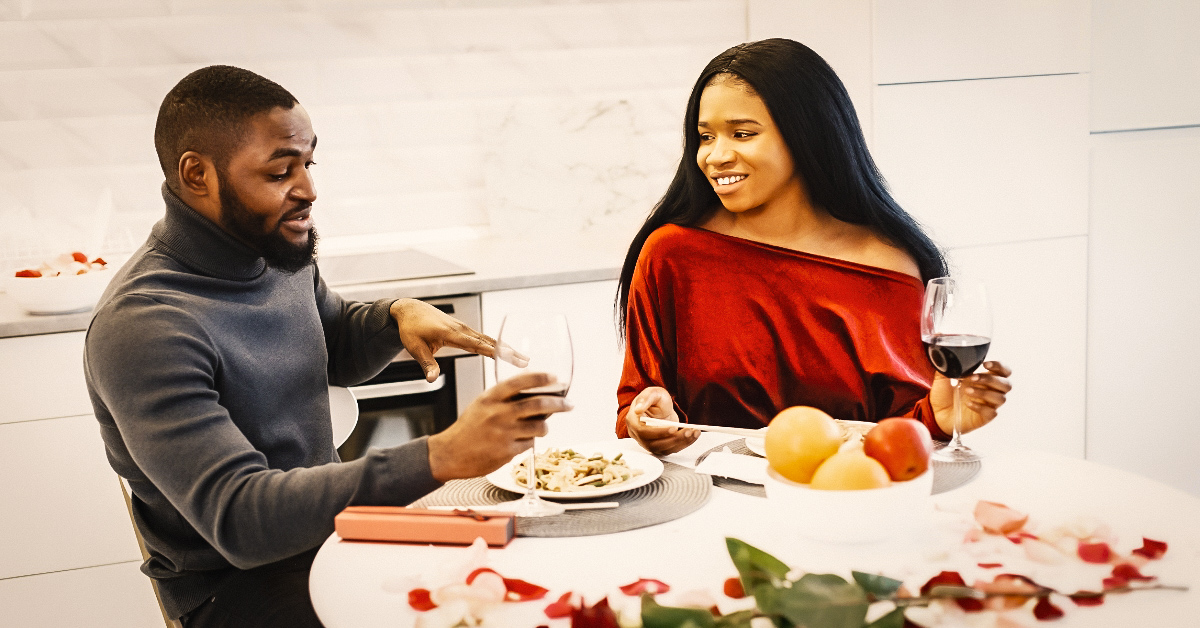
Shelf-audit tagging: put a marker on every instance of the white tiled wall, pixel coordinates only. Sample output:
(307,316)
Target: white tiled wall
(431,114)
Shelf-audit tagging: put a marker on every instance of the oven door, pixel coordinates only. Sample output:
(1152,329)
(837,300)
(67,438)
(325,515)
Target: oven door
(398,405)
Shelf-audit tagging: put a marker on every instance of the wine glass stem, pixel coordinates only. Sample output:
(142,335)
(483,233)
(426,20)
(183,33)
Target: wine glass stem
(955,443)
(531,491)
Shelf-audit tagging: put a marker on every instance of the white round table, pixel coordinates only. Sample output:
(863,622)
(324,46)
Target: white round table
(366,584)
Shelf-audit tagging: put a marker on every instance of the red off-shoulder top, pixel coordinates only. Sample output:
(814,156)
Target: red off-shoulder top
(738,330)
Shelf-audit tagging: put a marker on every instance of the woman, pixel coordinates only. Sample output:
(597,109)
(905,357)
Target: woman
(777,270)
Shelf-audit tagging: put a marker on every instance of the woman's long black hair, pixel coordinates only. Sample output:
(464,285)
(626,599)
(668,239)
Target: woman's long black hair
(817,120)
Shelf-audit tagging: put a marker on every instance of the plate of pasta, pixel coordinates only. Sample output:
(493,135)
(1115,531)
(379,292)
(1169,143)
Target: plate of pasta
(580,472)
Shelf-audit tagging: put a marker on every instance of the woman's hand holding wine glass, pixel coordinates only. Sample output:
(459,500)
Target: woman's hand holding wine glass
(956,328)
(983,393)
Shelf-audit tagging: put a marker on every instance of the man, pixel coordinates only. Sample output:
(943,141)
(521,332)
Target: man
(208,360)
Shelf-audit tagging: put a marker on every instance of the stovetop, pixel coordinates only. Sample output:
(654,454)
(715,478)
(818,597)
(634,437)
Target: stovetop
(342,270)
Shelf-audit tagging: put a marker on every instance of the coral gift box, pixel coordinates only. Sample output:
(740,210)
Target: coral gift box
(414,525)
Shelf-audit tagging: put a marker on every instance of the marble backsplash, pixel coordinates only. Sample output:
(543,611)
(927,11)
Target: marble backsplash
(434,117)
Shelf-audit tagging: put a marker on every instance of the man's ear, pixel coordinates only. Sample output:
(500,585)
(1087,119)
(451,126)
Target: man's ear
(197,175)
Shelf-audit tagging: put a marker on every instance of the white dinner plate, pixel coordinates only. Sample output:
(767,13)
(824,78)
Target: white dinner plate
(758,445)
(650,467)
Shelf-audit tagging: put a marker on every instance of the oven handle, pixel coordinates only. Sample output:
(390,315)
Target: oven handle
(397,389)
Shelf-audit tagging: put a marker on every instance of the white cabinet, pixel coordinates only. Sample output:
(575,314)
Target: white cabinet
(985,162)
(109,596)
(42,376)
(940,40)
(1038,292)
(1145,64)
(63,504)
(69,557)
(1144,305)
(589,311)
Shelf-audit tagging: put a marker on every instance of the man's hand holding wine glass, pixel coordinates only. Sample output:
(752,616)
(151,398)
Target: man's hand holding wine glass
(498,425)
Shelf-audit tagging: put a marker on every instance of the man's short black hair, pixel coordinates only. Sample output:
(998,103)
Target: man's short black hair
(207,111)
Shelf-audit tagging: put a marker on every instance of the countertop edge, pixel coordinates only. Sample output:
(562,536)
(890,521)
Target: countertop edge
(35,325)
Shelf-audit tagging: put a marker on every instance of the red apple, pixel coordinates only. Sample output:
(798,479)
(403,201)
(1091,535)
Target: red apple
(902,446)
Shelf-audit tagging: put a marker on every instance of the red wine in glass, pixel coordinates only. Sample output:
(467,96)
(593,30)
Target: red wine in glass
(553,390)
(956,355)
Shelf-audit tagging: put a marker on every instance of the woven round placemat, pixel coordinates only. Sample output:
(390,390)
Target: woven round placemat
(677,492)
(947,476)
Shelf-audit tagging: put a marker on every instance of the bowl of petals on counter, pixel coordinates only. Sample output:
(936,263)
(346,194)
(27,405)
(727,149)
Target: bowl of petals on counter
(70,283)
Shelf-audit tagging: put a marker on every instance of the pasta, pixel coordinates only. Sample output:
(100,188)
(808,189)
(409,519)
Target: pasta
(567,470)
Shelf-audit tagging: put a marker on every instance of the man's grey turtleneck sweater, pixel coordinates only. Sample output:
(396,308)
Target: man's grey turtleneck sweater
(208,372)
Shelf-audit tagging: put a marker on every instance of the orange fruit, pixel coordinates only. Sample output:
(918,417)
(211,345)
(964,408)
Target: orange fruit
(798,440)
(850,470)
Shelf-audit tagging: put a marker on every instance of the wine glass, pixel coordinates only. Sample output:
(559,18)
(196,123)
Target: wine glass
(956,328)
(545,341)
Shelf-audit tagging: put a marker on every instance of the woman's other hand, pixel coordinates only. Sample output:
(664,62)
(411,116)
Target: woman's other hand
(655,403)
(983,393)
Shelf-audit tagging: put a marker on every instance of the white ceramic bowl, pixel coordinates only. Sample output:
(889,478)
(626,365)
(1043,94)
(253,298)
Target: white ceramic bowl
(852,516)
(63,294)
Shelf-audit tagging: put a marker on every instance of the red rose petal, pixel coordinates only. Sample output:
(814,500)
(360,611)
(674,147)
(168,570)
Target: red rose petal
(998,518)
(1087,598)
(952,578)
(645,585)
(990,565)
(1018,588)
(1151,549)
(1125,571)
(516,590)
(1045,609)
(420,600)
(1114,583)
(734,588)
(598,616)
(100,261)
(79,257)
(561,608)
(1095,552)
(522,591)
(474,574)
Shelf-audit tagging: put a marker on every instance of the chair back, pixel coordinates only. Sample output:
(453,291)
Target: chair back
(343,409)
(127,493)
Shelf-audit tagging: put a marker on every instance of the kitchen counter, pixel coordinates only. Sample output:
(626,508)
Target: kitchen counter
(499,262)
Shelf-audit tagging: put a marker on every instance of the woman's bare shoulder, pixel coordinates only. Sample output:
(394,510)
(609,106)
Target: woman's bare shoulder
(876,251)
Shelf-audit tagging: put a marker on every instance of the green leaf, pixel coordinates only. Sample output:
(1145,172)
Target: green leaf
(655,615)
(755,566)
(894,619)
(740,619)
(881,587)
(824,600)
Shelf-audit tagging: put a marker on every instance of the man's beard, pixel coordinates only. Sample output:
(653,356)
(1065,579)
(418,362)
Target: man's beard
(251,228)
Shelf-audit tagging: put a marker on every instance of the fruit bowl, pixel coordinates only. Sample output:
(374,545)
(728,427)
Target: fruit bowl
(63,294)
(859,516)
